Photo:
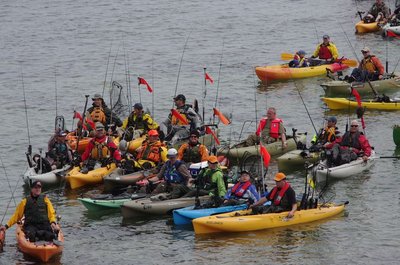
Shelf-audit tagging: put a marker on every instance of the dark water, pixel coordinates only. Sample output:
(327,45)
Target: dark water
(68,43)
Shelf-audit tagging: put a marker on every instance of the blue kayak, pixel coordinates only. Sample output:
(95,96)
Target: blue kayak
(185,215)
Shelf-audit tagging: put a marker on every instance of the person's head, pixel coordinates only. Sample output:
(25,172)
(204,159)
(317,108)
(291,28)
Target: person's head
(354,126)
(194,137)
(271,113)
(244,176)
(138,108)
(100,131)
(153,136)
(97,100)
(326,39)
(61,136)
(280,179)
(366,52)
(180,100)
(36,188)
(332,121)
(172,154)
(379,2)
(212,162)
(301,53)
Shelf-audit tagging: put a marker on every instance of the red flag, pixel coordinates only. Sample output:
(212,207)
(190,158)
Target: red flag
(89,122)
(77,115)
(142,81)
(208,77)
(221,117)
(390,33)
(179,116)
(209,131)
(355,93)
(265,155)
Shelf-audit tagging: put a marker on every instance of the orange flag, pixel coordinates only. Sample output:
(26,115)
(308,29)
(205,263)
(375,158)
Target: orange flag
(265,155)
(221,117)
(177,115)
(209,131)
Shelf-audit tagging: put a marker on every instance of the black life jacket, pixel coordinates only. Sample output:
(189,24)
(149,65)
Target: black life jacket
(351,140)
(36,210)
(192,154)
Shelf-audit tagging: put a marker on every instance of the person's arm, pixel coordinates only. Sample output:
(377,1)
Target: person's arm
(87,152)
(183,170)
(125,123)
(261,126)
(51,213)
(316,52)
(18,214)
(259,202)
(151,124)
(334,51)
(160,174)
(254,195)
(228,194)
(181,151)
(283,135)
(164,154)
(219,178)
(204,153)
(116,154)
(365,146)
(378,64)
(292,201)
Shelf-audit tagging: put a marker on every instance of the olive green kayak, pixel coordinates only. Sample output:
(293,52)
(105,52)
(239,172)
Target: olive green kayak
(274,149)
(396,135)
(295,159)
(108,202)
(341,88)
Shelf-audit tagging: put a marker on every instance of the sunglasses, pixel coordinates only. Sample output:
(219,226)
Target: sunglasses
(38,186)
(364,52)
(353,125)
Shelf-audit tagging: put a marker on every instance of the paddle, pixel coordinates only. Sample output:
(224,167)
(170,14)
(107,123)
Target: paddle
(348,62)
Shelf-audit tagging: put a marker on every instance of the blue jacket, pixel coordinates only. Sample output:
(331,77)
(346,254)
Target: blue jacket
(251,194)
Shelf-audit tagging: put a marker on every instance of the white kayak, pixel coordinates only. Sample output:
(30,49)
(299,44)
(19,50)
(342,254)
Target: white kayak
(49,178)
(323,173)
(394,29)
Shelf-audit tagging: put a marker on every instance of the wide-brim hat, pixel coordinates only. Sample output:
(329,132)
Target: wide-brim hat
(97,96)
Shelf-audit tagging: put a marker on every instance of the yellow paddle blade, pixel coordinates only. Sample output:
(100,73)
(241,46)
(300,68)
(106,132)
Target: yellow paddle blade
(287,56)
(350,63)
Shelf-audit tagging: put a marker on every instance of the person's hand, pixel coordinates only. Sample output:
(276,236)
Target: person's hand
(55,227)
(290,214)
(380,77)
(225,201)
(365,158)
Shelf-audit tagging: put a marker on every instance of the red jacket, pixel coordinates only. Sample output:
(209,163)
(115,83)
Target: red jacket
(363,143)
(111,145)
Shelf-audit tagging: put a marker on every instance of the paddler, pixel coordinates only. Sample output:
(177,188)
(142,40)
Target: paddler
(40,221)
(99,112)
(379,12)
(328,134)
(193,151)
(369,69)
(242,192)
(299,60)
(282,197)
(152,152)
(325,51)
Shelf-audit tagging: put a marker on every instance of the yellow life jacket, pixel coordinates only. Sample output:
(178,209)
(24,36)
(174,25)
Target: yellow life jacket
(101,150)
(98,115)
(369,65)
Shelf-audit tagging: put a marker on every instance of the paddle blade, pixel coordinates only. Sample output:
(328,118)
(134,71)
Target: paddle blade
(209,131)
(350,63)
(221,117)
(177,115)
(265,155)
(287,56)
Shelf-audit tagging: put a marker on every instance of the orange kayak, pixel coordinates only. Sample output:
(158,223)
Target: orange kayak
(42,251)
(362,27)
(284,72)
(72,140)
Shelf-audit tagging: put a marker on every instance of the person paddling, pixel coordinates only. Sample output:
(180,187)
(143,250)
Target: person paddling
(242,192)
(40,221)
(299,60)
(325,51)
(282,196)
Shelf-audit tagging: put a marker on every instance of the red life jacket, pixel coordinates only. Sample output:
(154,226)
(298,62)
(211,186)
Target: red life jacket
(239,192)
(324,52)
(274,127)
(278,199)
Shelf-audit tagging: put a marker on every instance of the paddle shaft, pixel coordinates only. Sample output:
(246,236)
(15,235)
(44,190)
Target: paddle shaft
(83,121)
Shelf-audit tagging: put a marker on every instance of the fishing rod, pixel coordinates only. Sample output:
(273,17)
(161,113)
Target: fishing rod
(55,86)
(305,106)
(316,32)
(397,64)
(105,76)
(180,64)
(205,90)
(219,77)
(29,152)
(126,77)
(8,180)
(112,73)
(129,90)
(83,122)
(152,85)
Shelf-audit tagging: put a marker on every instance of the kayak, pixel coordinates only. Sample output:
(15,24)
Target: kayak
(362,27)
(283,72)
(322,173)
(185,215)
(295,159)
(343,103)
(242,221)
(132,145)
(49,178)
(152,206)
(393,29)
(396,134)
(108,202)
(116,179)
(41,250)
(72,141)
(336,88)
(274,149)
(76,179)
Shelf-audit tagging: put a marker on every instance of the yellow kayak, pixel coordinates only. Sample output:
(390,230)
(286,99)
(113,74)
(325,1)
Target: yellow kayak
(76,179)
(343,103)
(284,72)
(132,145)
(242,221)
(362,27)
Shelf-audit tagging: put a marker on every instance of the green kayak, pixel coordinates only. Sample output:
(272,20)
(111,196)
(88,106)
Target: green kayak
(274,149)
(342,88)
(295,159)
(95,204)
(396,134)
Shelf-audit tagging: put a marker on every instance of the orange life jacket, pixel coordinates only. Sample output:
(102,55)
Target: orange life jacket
(98,115)
(243,188)
(277,199)
(324,52)
(150,152)
(368,64)
(100,150)
(273,129)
